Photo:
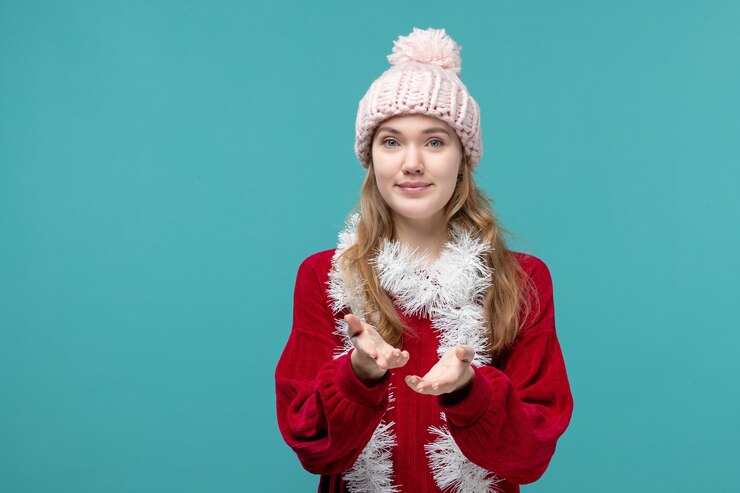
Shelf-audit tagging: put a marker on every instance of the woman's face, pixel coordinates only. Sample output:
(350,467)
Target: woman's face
(416,160)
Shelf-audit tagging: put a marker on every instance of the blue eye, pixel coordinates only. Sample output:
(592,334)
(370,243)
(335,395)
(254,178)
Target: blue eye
(441,143)
(386,141)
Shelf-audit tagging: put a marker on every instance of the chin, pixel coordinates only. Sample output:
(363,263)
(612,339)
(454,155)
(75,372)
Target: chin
(417,215)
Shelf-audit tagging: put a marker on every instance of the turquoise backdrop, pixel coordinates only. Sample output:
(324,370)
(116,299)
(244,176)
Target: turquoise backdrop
(166,166)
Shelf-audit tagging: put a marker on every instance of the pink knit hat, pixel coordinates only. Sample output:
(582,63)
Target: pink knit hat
(424,78)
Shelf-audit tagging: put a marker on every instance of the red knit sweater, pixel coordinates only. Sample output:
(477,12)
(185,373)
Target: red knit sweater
(508,423)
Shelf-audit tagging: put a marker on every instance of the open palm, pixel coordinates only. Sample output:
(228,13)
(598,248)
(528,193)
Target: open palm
(372,356)
(452,372)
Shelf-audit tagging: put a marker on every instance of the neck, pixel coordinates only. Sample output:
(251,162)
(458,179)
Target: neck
(425,235)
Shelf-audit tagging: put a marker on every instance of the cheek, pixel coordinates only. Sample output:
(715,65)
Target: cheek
(450,179)
(450,188)
(384,180)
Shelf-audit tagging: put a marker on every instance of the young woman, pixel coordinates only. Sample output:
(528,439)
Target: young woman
(423,355)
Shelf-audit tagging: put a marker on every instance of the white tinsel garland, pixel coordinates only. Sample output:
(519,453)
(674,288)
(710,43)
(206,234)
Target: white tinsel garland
(451,469)
(450,291)
(372,472)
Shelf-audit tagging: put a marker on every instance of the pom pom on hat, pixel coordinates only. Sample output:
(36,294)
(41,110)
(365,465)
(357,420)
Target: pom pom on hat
(432,46)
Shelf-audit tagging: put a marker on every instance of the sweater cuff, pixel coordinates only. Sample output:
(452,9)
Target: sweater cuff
(468,410)
(355,390)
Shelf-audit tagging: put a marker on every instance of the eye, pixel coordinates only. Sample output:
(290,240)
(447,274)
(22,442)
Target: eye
(439,141)
(387,141)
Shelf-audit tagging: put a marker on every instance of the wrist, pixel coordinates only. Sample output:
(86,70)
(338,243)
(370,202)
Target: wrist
(367,374)
(462,390)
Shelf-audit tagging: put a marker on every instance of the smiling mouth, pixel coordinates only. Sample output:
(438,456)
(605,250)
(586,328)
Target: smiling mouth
(414,188)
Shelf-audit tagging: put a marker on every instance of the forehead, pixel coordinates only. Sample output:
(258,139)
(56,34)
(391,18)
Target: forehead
(411,123)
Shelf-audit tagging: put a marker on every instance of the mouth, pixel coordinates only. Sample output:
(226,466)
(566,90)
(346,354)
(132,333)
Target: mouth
(413,187)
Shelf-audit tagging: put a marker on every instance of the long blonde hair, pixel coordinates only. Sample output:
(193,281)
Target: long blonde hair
(507,302)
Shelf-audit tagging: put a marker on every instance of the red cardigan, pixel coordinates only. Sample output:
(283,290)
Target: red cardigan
(509,422)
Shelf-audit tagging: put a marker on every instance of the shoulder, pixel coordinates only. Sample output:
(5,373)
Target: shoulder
(538,292)
(538,288)
(317,264)
(319,260)
(535,268)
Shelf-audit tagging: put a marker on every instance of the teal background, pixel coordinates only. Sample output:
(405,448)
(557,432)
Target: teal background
(166,166)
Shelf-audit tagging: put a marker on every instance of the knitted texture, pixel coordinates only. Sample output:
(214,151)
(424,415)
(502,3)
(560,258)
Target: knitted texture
(508,424)
(424,78)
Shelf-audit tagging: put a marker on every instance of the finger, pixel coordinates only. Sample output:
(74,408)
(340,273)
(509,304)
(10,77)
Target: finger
(412,381)
(434,384)
(404,358)
(388,359)
(397,359)
(439,391)
(422,385)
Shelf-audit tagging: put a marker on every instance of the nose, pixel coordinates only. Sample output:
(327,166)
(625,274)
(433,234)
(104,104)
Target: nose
(412,162)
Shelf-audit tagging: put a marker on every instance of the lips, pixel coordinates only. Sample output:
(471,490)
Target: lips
(413,187)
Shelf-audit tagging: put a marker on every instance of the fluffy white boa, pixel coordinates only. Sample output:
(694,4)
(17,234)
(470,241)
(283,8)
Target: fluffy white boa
(450,291)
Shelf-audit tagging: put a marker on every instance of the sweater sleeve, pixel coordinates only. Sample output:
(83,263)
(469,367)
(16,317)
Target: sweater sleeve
(325,413)
(511,419)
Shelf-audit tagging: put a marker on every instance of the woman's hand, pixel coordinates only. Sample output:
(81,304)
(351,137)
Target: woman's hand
(372,356)
(452,372)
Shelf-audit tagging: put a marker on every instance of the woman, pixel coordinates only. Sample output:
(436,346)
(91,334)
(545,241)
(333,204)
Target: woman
(423,355)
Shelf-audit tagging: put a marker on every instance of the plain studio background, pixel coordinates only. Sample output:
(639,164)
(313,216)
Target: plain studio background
(165,167)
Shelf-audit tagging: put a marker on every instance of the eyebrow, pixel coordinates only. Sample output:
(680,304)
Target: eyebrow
(427,131)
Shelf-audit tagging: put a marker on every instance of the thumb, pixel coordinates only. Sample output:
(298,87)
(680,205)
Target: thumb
(465,353)
(354,326)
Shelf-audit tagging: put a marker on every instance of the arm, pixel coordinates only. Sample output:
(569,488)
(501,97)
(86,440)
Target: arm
(510,419)
(325,413)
